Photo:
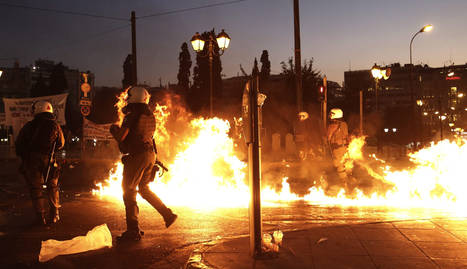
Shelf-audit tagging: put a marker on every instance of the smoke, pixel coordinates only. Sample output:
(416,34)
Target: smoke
(315,171)
(366,174)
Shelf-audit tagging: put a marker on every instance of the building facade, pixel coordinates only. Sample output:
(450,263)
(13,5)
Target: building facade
(38,80)
(433,101)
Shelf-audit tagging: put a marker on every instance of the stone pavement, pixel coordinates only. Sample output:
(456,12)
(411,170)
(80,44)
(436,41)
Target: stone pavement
(435,243)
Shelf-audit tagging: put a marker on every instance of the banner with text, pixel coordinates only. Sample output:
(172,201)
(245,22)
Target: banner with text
(18,111)
(96,131)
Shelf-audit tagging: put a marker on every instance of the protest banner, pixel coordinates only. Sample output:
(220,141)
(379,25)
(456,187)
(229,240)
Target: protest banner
(18,111)
(96,131)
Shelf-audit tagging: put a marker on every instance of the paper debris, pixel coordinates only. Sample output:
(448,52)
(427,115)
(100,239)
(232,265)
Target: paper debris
(97,238)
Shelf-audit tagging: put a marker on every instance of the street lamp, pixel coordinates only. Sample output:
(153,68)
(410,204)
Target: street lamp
(425,28)
(420,103)
(379,73)
(223,41)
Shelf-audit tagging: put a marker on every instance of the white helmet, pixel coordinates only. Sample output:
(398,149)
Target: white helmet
(42,106)
(138,95)
(336,113)
(303,115)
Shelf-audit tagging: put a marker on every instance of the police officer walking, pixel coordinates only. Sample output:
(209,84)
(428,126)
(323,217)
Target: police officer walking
(307,136)
(338,136)
(35,144)
(135,139)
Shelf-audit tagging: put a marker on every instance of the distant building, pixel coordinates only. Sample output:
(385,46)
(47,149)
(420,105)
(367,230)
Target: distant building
(35,80)
(44,69)
(17,82)
(439,94)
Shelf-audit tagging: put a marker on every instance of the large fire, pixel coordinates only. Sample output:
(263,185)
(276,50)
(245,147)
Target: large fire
(205,172)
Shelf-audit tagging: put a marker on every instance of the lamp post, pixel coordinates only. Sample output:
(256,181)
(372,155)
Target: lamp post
(223,41)
(420,103)
(425,28)
(379,73)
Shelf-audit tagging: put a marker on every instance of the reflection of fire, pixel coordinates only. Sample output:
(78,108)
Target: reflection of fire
(204,171)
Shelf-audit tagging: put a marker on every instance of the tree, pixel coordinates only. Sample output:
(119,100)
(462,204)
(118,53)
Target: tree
(255,70)
(127,72)
(311,82)
(243,71)
(184,60)
(311,79)
(199,92)
(58,83)
(265,65)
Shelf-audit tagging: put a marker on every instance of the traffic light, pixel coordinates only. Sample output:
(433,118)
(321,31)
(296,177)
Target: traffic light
(321,93)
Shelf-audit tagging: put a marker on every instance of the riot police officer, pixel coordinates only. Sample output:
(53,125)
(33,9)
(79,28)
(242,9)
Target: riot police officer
(338,136)
(35,144)
(135,138)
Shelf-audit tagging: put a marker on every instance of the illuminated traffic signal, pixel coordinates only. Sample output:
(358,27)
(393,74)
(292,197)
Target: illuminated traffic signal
(321,93)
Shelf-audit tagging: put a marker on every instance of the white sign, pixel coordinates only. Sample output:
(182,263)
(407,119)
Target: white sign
(18,111)
(93,130)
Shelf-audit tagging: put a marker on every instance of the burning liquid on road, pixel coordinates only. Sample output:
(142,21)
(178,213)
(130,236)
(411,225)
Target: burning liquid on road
(205,172)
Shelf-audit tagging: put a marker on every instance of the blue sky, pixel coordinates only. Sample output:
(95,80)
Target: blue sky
(338,34)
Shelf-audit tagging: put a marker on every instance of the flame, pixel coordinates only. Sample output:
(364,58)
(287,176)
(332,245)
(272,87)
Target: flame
(161,114)
(205,172)
(121,103)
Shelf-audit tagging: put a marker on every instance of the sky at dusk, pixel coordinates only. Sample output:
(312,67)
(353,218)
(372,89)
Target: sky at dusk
(339,34)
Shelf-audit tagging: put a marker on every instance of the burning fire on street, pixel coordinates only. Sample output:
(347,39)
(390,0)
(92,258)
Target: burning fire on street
(205,172)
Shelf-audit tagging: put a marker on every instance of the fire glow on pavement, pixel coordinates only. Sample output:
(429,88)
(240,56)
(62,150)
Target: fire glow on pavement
(205,172)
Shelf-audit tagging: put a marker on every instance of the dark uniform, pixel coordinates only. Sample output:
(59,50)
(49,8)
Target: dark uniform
(34,145)
(135,138)
(307,134)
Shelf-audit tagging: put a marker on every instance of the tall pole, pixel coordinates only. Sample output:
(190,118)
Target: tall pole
(376,93)
(254,167)
(211,80)
(440,103)
(325,103)
(440,118)
(133,49)
(298,60)
(361,112)
(412,94)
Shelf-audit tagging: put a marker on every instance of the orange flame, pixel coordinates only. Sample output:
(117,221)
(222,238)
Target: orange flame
(120,105)
(204,171)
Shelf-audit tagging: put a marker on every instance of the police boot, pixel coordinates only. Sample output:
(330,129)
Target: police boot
(170,219)
(130,236)
(40,219)
(54,215)
(54,200)
(39,207)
